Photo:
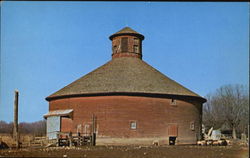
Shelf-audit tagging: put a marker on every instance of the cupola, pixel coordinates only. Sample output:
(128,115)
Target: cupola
(126,43)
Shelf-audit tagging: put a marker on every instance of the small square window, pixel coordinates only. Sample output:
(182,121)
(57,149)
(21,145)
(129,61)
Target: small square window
(133,125)
(172,102)
(192,126)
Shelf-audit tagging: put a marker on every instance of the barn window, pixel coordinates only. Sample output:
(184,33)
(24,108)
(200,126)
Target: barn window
(133,125)
(192,126)
(172,102)
(136,49)
(114,49)
(136,41)
(124,44)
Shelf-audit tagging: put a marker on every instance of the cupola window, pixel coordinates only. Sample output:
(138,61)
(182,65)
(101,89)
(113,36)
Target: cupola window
(136,49)
(124,44)
(136,41)
(114,49)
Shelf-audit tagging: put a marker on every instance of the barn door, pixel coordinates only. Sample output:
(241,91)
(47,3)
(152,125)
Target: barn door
(173,130)
(53,126)
(172,133)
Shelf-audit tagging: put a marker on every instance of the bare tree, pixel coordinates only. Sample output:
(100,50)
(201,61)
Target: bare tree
(6,127)
(210,114)
(228,105)
(37,128)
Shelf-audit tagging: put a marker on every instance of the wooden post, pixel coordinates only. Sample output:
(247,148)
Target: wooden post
(248,134)
(57,140)
(93,131)
(15,122)
(70,138)
(29,144)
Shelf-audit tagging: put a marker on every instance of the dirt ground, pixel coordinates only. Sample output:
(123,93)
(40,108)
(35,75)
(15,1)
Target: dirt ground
(190,151)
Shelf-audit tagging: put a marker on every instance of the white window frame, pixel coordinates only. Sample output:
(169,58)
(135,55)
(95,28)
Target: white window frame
(133,125)
(192,126)
(173,102)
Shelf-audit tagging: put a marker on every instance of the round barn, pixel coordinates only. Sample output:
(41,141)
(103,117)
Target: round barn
(132,102)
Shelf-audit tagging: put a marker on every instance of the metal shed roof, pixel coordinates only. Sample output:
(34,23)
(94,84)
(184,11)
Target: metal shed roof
(65,112)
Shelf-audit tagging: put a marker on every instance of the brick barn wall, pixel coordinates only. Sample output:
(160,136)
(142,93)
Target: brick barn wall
(154,116)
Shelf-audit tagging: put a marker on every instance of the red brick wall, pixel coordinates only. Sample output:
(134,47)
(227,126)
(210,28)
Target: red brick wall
(114,114)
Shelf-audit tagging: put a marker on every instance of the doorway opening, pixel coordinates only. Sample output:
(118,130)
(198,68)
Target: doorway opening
(172,140)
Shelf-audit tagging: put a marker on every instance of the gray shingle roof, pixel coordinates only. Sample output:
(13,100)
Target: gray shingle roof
(124,74)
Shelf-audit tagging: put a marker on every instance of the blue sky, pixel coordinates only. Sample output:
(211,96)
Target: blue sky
(47,45)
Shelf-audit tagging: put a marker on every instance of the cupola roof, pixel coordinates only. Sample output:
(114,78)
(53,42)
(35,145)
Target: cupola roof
(127,31)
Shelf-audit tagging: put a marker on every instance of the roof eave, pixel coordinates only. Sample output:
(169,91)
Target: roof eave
(51,97)
(133,34)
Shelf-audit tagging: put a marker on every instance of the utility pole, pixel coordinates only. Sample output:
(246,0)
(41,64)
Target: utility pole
(15,129)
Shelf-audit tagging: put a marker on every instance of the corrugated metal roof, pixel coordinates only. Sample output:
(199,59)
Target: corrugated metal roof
(65,112)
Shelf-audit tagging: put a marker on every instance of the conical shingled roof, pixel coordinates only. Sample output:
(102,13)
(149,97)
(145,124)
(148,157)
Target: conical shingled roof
(126,74)
(126,31)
